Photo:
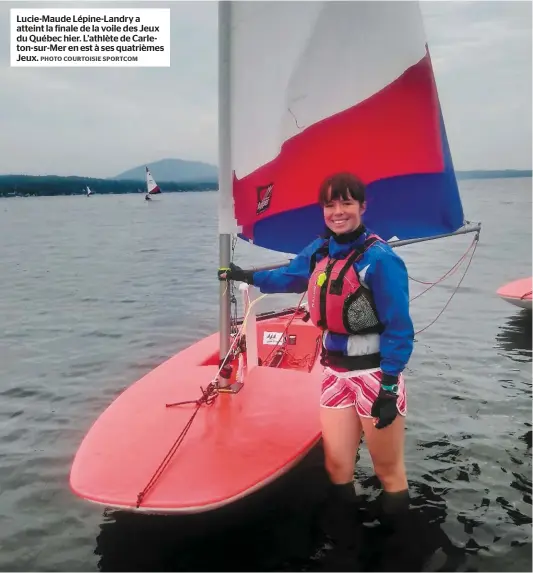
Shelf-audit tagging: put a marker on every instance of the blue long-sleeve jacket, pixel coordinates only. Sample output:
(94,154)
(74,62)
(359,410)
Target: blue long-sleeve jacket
(383,272)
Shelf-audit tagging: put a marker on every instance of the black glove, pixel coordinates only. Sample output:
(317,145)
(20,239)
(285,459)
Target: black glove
(235,273)
(384,407)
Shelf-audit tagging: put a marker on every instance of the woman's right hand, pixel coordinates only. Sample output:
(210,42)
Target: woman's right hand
(235,273)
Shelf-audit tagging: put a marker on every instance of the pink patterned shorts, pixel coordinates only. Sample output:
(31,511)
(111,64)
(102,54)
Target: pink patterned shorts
(359,389)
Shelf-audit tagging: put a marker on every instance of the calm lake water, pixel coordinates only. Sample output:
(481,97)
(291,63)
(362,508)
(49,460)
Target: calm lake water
(97,291)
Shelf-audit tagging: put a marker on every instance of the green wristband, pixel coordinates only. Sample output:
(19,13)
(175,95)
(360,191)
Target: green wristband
(393,388)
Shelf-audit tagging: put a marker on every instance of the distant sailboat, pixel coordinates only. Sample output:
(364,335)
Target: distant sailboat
(152,188)
(88,191)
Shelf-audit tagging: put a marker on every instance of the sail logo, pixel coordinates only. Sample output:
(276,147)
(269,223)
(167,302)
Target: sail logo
(264,195)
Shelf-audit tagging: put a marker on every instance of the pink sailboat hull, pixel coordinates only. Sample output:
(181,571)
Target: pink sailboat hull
(517,292)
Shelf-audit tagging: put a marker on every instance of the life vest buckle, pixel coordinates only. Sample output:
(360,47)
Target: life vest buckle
(335,287)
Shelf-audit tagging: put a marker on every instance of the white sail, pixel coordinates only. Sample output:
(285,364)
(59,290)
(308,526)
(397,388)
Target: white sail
(151,186)
(293,64)
(311,60)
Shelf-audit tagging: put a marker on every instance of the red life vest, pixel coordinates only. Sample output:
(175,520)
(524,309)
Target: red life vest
(333,290)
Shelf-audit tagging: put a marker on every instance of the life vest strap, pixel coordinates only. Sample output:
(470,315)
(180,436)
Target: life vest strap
(358,252)
(362,362)
(323,250)
(323,322)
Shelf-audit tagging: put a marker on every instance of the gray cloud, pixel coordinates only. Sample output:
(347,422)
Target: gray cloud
(100,121)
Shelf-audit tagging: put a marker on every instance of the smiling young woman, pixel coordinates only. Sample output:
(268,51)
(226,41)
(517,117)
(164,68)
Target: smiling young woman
(358,295)
(343,200)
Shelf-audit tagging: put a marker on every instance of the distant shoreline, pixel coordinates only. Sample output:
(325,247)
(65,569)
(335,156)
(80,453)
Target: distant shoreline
(493,174)
(52,185)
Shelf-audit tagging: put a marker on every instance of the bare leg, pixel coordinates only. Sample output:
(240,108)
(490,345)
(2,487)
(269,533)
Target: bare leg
(341,434)
(386,448)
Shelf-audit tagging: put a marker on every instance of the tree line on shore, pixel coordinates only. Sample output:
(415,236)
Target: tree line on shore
(49,185)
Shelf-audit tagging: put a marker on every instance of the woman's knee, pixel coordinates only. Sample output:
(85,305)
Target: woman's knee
(341,434)
(391,474)
(340,468)
(386,447)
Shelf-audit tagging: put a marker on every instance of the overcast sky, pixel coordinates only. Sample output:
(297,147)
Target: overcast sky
(99,122)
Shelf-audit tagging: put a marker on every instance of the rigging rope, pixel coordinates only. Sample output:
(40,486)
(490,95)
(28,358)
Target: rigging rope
(474,245)
(283,336)
(448,274)
(208,397)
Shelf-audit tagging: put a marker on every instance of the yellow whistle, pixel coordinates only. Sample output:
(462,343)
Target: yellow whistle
(321,279)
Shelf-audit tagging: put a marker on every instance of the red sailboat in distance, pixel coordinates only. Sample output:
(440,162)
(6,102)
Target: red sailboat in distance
(306,89)
(152,188)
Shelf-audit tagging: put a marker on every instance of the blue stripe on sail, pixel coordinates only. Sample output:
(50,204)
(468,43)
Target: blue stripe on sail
(291,231)
(453,196)
(413,206)
(408,207)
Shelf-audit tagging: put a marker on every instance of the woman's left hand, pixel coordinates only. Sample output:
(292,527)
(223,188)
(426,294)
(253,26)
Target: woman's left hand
(384,408)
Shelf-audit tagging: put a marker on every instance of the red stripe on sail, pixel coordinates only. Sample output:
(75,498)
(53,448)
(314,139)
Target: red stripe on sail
(394,132)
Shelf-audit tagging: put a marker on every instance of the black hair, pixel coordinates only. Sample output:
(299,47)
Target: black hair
(343,186)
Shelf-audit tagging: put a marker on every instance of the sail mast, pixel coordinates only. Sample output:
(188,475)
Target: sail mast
(225,179)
